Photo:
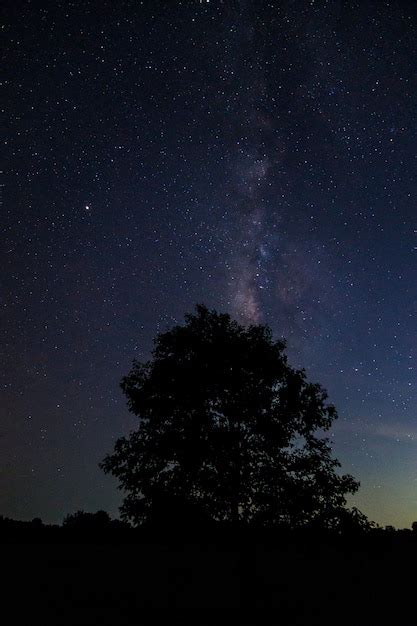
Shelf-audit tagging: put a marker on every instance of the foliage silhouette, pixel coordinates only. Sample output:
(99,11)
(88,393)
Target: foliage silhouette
(87,521)
(82,522)
(228,430)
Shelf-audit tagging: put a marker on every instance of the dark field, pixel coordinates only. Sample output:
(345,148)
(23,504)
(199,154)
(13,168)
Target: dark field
(67,580)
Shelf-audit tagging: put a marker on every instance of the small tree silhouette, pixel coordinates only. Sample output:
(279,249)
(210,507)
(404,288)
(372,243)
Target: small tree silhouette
(227,426)
(87,521)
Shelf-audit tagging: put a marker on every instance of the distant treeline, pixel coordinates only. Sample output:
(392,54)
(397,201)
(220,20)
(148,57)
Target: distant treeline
(101,527)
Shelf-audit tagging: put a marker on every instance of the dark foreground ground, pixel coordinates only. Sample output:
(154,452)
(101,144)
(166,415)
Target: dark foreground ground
(130,580)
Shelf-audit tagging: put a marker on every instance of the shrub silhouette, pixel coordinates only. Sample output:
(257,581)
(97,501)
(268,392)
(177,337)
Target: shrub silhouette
(229,429)
(81,521)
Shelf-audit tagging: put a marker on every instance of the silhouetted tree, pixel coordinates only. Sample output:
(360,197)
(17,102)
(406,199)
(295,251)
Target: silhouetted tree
(37,522)
(87,521)
(227,426)
(347,521)
(414,527)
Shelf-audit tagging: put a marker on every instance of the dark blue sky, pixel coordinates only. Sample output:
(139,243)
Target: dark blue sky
(256,156)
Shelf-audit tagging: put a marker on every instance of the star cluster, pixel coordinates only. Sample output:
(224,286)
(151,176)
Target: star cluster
(255,156)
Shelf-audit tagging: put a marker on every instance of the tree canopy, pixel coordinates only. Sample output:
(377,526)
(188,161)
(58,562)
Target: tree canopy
(228,429)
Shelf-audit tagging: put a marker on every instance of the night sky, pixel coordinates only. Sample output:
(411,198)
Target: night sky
(258,157)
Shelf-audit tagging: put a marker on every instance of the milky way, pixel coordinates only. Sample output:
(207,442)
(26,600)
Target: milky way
(256,156)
